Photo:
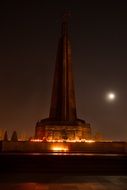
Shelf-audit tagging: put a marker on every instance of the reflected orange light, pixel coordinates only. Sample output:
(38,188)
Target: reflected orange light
(89,141)
(59,149)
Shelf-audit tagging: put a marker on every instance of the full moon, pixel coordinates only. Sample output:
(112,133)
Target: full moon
(111,96)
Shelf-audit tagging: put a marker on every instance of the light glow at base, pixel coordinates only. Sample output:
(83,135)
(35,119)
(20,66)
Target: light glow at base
(61,140)
(59,149)
(89,141)
(36,140)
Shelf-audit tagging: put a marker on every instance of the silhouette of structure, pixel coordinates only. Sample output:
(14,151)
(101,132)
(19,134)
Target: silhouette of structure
(14,136)
(63,122)
(5,136)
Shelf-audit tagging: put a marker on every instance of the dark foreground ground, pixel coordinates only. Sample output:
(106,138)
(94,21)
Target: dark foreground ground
(83,164)
(63,172)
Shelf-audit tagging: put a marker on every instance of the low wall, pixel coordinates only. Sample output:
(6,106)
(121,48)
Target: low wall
(95,147)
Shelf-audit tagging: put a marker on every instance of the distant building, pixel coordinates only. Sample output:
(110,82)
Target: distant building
(62,122)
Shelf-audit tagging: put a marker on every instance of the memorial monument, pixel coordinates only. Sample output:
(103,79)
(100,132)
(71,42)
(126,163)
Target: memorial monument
(63,123)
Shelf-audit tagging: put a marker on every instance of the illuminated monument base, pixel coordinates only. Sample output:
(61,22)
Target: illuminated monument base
(62,130)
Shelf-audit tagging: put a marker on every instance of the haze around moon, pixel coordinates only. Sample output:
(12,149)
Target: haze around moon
(110,96)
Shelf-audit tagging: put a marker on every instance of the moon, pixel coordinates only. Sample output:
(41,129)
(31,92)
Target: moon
(110,96)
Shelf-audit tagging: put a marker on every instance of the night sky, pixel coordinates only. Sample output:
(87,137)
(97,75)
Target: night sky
(29,33)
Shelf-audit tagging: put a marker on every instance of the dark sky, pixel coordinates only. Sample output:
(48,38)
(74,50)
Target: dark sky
(29,36)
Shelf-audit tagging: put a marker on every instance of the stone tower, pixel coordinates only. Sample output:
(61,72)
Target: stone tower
(63,106)
(62,122)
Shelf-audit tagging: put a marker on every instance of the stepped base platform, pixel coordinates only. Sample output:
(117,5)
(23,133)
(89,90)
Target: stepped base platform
(55,130)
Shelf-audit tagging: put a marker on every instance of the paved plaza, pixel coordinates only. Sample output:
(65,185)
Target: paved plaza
(71,183)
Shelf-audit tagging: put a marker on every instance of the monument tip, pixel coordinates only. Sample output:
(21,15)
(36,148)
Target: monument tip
(66,16)
(65,19)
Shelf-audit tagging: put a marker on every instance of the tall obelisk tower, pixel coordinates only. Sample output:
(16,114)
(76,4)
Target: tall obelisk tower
(63,106)
(62,121)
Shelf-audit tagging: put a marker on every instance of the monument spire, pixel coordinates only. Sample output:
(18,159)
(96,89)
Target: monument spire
(63,106)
